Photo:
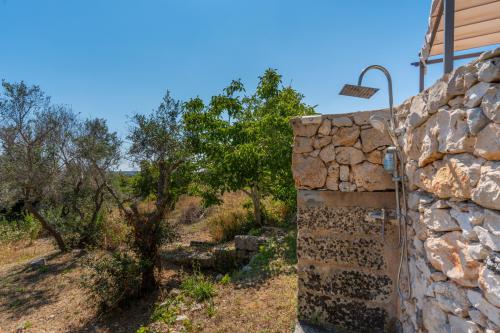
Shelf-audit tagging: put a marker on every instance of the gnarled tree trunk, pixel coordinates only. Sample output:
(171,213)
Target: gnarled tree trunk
(48,227)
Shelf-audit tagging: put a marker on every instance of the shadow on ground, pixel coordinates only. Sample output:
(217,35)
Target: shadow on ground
(26,289)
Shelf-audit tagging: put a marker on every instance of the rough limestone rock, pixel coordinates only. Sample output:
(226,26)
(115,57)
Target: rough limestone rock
(466,222)
(349,155)
(325,128)
(492,221)
(491,103)
(451,298)
(308,172)
(347,187)
(438,96)
(417,198)
(489,282)
(460,325)
(487,238)
(344,173)
(363,118)
(418,112)
(439,220)
(412,142)
(320,142)
(454,136)
(487,191)
(429,145)
(306,126)
(375,157)
(372,139)
(248,242)
(303,145)
(446,254)
(346,136)
(332,183)
(327,154)
(475,94)
(458,101)
(489,71)
(475,211)
(458,83)
(372,177)
(488,142)
(455,176)
(332,180)
(489,310)
(476,251)
(478,317)
(342,122)
(476,120)
(434,319)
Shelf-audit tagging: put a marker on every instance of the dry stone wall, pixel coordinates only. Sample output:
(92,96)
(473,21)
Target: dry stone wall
(346,270)
(450,138)
(452,149)
(340,153)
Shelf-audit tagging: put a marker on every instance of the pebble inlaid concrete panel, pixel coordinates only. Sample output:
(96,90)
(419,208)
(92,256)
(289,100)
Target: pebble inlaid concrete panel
(358,252)
(341,220)
(342,315)
(346,269)
(347,283)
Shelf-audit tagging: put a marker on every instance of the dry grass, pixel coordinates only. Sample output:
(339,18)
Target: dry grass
(268,307)
(24,250)
(230,218)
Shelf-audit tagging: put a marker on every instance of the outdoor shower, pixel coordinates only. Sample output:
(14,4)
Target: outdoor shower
(393,163)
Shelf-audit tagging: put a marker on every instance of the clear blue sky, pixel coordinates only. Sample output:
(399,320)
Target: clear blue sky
(113,58)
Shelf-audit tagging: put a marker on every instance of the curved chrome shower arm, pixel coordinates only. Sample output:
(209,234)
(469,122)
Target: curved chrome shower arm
(389,83)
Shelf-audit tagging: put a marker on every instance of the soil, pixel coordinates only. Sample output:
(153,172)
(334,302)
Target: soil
(51,298)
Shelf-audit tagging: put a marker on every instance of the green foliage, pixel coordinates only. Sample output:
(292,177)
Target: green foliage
(198,287)
(167,311)
(114,279)
(26,229)
(244,142)
(278,255)
(226,279)
(144,329)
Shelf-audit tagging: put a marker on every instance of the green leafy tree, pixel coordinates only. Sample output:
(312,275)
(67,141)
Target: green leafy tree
(244,142)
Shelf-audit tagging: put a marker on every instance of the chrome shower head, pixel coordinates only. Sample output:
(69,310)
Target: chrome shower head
(358,91)
(379,123)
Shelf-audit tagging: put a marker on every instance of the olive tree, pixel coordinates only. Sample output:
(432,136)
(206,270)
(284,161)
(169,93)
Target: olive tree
(158,144)
(30,135)
(90,157)
(56,165)
(243,142)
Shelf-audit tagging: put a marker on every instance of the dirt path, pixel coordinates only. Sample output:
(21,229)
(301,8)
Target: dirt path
(50,299)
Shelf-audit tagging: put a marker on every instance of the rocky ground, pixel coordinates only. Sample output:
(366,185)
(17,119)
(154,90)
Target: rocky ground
(50,298)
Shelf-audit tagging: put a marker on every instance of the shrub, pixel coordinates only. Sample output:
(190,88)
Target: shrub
(166,312)
(278,255)
(224,225)
(275,212)
(26,229)
(116,230)
(198,287)
(112,279)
